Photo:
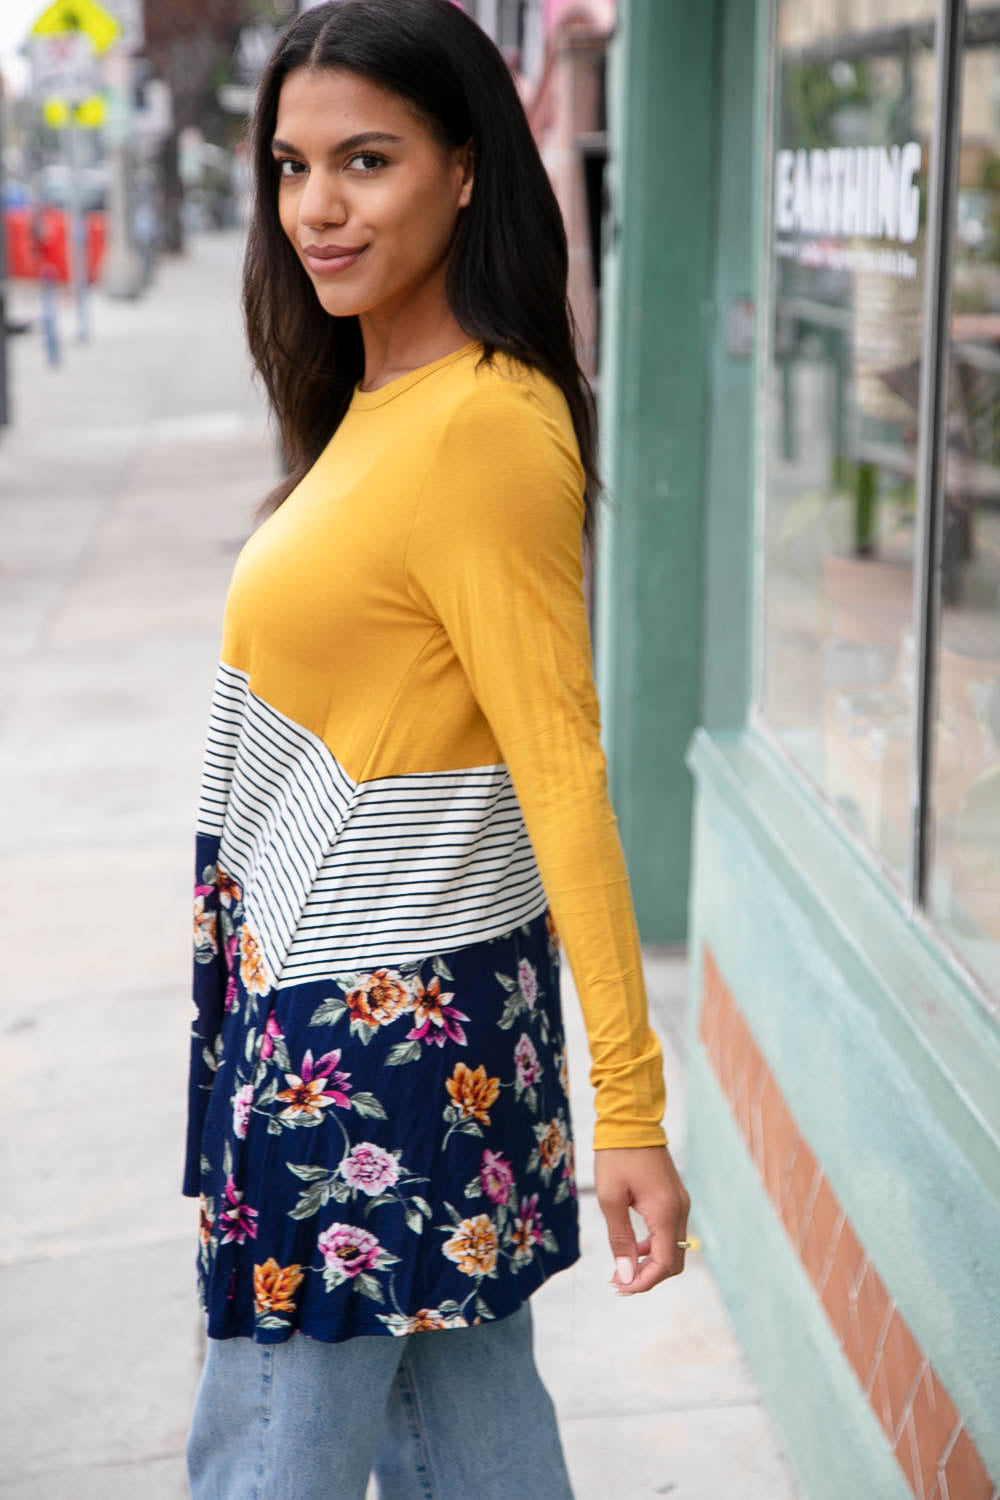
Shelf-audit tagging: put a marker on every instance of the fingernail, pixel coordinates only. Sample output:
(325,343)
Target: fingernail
(624,1268)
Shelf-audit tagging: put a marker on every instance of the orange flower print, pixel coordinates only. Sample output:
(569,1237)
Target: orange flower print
(379,998)
(253,968)
(473,1246)
(205,925)
(550,928)
(552,1144)
(473,1092)
(274,1286)
(319,1084)
(228,888)
(205,1220)
(430,1318)
(436,1020)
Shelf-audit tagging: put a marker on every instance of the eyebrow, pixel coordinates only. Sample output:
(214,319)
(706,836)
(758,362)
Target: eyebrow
(350,143)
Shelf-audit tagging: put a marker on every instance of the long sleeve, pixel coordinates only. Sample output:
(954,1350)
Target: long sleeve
(494,556)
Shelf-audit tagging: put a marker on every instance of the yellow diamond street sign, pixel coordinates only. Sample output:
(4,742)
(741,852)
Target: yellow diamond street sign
(85,16)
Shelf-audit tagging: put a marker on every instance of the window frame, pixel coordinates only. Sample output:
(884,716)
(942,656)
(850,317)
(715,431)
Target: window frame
(949,52)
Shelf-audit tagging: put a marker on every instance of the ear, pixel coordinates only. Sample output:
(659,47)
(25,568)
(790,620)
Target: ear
(467,161)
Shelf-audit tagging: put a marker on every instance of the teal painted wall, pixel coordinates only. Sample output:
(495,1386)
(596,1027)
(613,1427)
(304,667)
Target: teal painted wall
(654,377)
(729,479)
(891,1071)
(674,566)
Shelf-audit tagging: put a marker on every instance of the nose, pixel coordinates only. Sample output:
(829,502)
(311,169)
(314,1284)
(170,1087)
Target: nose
(322,200)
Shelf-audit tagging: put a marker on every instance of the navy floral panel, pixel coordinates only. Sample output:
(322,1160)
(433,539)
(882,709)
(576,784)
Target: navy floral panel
(386,1152)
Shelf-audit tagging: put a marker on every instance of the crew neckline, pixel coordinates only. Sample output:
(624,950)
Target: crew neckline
(365,400)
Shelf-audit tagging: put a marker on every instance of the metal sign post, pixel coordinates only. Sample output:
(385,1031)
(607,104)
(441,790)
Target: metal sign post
(4,385)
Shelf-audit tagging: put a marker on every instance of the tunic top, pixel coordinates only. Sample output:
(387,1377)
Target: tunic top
(404,801)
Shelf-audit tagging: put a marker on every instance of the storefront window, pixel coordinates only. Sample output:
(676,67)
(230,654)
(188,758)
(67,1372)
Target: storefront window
(880,627)
(854,120)
(964,890)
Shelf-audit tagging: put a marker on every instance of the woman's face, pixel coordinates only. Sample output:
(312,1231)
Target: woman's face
(367,195)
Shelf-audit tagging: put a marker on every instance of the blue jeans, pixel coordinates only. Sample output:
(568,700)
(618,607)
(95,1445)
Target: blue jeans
(439,1415)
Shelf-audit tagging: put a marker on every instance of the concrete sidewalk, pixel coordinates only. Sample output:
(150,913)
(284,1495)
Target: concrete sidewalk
(127,484)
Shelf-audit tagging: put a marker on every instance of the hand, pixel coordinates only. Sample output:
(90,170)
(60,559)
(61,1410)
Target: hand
(645,1178)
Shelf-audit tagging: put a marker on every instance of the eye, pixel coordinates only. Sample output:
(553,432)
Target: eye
(287,167)
(371,159)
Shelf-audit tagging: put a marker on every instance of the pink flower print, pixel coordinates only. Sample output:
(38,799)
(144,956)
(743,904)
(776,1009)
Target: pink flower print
(348,1250)
(369,1168)
(242,1104)
(272,1033)
(318,1085)
(236,1216)
(435,1019)
(527,1229)
(528,982)
(526,1062)
(229,1003)
(496,1177)
(230,951)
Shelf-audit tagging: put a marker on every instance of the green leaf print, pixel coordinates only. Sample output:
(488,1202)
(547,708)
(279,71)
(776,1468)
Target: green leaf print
(227,1160)
(474,1188)
(422,1204)
(511,1011)
(311,1201)
(267,1094)
(367,1285)
(415,1220)
(441,969)
(368,1107)
(403,1052)
(549,1242)
(208,1059)
(209,875)
(329,1012)
(482,1310)
(271,1321)
(251,1039)
(307,1172)
(510,985)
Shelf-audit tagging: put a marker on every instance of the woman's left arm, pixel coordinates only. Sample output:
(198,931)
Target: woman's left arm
(495,556)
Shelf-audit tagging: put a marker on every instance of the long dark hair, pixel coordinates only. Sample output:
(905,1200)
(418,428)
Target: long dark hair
(506,277)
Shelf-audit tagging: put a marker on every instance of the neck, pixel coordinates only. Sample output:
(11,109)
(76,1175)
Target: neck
(398,340)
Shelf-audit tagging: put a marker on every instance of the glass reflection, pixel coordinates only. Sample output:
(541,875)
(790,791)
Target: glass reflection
(965,872)
(853,131)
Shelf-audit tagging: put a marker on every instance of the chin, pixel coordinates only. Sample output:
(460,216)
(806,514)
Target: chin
(339,302)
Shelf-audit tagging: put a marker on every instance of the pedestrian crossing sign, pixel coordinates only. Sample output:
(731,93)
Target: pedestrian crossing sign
(86,16)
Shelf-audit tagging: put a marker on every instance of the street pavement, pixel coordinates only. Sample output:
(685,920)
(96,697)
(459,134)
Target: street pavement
(127,485)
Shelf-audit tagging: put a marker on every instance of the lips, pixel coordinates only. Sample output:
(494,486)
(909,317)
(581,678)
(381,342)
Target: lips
(326,260)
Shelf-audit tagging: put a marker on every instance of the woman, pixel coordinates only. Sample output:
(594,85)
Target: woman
(404,797)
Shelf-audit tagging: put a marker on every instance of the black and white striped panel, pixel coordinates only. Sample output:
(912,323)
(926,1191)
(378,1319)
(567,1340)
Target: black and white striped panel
(282,797)
(423,863)
(340,875)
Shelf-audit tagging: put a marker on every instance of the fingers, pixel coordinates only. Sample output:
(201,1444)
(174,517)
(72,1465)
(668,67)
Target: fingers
(665,1258)
(621,1238)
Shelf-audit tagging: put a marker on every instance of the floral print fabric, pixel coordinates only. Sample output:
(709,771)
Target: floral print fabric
(386,1152)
